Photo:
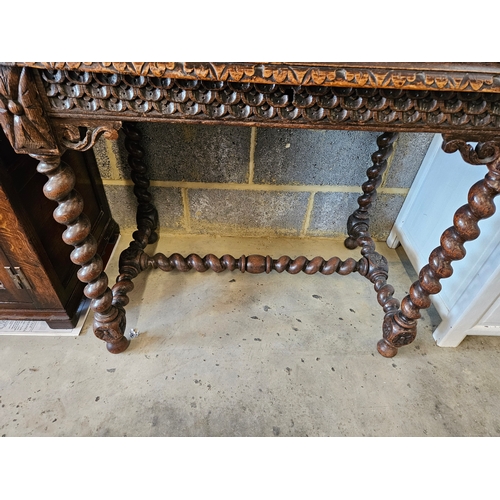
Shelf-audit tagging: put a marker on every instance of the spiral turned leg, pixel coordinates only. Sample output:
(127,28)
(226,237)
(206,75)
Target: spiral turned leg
(147,216)
(132,260)
(400,326)
(109,321)
(358,222)
(376,268)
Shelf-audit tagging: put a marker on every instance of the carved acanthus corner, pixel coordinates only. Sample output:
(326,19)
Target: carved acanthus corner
(21,113)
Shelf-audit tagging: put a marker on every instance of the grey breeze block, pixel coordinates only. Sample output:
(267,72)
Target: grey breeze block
(232,181)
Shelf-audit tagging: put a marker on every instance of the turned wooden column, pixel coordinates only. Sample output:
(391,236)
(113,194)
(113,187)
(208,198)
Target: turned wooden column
(133,259)
(358,224)
(109,320)
(400,327)
(376,267)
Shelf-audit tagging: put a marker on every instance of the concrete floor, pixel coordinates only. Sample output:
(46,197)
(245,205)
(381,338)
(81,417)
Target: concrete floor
(236,354)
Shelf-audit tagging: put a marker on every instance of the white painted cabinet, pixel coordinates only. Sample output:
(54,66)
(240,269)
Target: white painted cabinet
(469,302)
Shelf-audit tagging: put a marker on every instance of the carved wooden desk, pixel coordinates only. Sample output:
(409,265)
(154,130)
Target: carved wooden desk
(46,108)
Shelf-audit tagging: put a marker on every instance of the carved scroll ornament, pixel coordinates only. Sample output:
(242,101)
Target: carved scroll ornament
(482,154)
(71,137)
(21,113)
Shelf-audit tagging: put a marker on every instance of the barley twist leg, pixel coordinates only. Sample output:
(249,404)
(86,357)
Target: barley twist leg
(132,260)
(109,320)
(400,326)
(358,223)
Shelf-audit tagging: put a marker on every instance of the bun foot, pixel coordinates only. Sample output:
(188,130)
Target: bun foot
(385,349)
(350,243)
(153,238)
(118,347)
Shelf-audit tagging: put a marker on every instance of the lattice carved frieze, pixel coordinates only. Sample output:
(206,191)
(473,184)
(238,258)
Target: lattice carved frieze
(119,96)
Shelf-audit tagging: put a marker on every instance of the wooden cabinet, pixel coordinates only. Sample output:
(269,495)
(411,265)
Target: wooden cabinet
(37,279)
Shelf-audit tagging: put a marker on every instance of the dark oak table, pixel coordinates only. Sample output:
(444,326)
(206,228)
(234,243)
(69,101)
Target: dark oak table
(47,108)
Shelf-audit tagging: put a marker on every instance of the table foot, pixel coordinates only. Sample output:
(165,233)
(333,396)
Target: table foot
(351,243)
(386,349)
(110,327)
(118,347)
(397,332)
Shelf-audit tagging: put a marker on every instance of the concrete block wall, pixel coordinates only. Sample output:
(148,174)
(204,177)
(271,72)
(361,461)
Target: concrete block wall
(247,181)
